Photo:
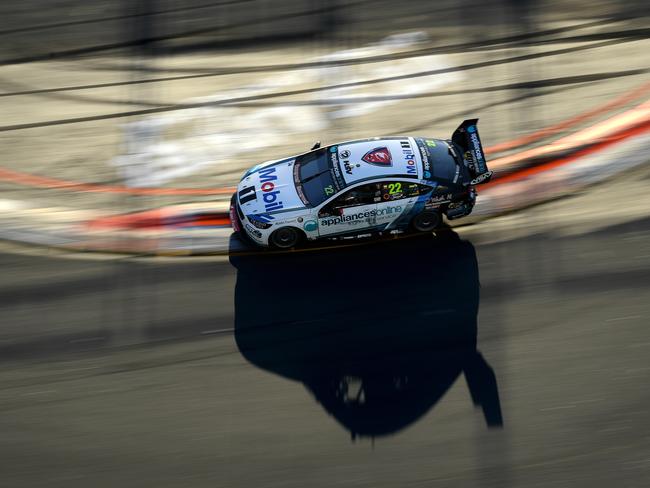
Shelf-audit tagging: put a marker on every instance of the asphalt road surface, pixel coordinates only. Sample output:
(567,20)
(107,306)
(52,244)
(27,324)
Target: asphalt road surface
(491,359)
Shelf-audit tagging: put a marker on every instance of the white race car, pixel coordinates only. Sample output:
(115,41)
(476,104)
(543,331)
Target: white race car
(360,187)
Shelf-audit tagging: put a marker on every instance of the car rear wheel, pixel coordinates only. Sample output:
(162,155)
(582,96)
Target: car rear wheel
(285,238)
(426,221)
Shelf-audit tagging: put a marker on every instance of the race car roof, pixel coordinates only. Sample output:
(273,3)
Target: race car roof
(375,158)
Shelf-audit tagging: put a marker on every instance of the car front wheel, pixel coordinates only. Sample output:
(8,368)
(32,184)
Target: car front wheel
(285,238)
(426,221)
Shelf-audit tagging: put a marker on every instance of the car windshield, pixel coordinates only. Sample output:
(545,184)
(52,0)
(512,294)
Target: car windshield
(314,178)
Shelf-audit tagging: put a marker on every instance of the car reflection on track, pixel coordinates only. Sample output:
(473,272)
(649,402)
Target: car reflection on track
(376,333)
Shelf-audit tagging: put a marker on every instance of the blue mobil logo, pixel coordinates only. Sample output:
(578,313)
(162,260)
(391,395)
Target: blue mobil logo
(410,166)
(268,180)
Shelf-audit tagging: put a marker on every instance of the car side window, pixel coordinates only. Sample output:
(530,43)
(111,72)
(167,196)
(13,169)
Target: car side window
(397,190)
(360,195)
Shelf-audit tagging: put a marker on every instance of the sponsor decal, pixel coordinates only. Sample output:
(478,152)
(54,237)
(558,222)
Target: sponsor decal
(439,199)
(329,190)
(431,143)
(345,154)
(310,226)
(348,167)
(335,164)
(379,156)
(425,159)
(405,144)
(476,146)
(474,138)
(359,217)
(481,178)
(410,167)
(261,221)
(333,149)
(426,164)
(394,188)
(269,193)
(254,231)
(288,221)
(337,172)
(337,175)
(468,157)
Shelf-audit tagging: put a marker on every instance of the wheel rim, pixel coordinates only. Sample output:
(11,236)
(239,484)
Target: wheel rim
(285,237)
(427,221)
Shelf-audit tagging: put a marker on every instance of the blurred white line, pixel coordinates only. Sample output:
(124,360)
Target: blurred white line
(11,205)
(87,339)
(563,407)
(216,331)
(629,317)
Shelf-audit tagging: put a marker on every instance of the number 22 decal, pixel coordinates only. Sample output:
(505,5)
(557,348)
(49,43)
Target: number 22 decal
(394,188)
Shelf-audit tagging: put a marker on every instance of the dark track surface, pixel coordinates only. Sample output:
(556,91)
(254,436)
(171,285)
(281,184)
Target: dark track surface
(129,373)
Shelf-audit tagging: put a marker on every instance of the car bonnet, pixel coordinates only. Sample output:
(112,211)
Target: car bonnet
(269,188)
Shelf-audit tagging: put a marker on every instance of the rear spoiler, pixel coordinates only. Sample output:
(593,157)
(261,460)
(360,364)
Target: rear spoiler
(466,136)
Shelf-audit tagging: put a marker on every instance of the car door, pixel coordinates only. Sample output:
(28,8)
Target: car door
(398,199)
(351,212)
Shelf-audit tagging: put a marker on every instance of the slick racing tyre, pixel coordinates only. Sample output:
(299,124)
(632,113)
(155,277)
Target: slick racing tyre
(426,221)
(285,238)
(235,222)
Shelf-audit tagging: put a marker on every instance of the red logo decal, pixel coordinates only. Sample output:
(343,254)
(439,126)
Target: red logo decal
(379,156)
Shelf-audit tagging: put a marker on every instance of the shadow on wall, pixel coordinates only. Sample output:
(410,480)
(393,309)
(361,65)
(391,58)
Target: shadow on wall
(377,333)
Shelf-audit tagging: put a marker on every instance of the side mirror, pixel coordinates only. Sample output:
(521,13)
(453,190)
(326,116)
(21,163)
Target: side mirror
(315,146)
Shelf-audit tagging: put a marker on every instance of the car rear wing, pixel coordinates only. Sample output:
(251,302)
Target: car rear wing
(466,136)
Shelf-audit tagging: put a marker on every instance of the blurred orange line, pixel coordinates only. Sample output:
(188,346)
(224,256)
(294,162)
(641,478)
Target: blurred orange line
(46,182)
(590,135)
(554,129)
(162,217)
(640,128)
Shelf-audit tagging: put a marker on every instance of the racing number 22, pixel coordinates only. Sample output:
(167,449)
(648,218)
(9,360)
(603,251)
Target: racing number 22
(394,188)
